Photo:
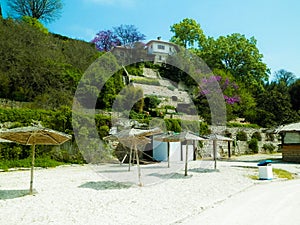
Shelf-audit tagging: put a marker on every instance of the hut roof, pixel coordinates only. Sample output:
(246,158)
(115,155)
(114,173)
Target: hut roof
(293,127)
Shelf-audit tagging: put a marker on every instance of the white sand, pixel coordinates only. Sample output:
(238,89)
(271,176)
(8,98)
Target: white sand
(61,200)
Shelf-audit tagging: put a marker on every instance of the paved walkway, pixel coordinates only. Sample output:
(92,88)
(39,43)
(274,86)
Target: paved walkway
(275,203)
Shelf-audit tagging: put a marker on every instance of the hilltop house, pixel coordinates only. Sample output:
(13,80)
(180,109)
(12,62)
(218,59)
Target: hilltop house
(155,50)
(161,50)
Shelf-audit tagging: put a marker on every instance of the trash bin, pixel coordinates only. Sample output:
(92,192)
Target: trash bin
(265,171)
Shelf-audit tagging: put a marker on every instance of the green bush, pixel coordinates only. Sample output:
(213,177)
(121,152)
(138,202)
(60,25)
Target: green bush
(173,125)
(227,134)
(246,125)
(270,137)
(147,81)
(171,88)
(253,145)
(26,163)
(269,147)
(257,136)
(133,70)
(241,136)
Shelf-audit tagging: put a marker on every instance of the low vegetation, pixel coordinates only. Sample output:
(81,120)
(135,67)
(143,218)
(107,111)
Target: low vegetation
(280,173)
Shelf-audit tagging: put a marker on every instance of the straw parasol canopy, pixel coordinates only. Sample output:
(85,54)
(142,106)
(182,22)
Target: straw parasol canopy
(34,135)
(179,137)
(215,138)
(218,137)
(4,141)
(133,138)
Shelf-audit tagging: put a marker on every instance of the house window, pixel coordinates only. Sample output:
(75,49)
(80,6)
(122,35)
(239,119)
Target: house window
(162,47)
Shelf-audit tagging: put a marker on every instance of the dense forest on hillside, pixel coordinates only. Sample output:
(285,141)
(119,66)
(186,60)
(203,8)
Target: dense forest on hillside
(37,66)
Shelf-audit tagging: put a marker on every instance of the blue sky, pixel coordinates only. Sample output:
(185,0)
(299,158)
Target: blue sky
(274,23)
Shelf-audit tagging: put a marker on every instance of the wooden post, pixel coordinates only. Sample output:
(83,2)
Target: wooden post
(229,152)
(138,165)
(123,159)
(194,150)
(186,158)
(168,154)
(215,152)
(130,153)
(32,168)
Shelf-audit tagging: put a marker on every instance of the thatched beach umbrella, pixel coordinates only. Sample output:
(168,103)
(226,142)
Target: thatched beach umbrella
(184,136)
(132,138)
(34,135)
(215,138)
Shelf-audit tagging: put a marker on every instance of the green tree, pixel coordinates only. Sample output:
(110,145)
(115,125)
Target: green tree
(35,23)
(294,91)
(45,10)
(187,33)
(273,106)
(238,55)
(284,76)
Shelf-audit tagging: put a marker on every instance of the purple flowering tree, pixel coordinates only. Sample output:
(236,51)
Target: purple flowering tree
(105,40)
(227,88)
(129,35)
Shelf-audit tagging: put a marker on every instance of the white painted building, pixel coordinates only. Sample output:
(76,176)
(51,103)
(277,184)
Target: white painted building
(161,50)
(177,151)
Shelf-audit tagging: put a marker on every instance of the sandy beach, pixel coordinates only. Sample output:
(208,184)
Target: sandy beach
(83,194)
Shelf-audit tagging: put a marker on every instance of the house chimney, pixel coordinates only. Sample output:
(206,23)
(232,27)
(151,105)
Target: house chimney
(158,38)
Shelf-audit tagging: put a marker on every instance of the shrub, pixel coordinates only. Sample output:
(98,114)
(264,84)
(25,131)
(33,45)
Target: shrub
(147,81)
(253,145)
(241,136)
(269,147)
(228,134)
(171,88)
(270,137)
(256,135)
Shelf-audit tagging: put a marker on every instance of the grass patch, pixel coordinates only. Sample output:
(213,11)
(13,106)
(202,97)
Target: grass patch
(253,177)
(26,163)
(280,173)
(147,81)
(246,125)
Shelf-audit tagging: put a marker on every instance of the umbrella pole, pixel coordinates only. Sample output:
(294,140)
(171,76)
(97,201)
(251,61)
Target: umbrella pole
(31,171)
(138,164)
(129,162)
(186,158)
(168,154)
(215,152)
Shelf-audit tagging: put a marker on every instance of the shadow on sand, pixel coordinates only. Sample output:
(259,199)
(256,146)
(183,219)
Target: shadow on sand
(106,185)
(11,194)
(201,170)
(170,176)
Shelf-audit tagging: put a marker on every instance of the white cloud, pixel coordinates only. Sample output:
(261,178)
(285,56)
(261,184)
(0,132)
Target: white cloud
(86,34)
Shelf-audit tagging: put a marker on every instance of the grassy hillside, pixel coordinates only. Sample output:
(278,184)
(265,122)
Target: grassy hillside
(35,64)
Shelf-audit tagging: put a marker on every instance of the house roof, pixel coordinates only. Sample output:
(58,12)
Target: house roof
(162,42)
(293,127)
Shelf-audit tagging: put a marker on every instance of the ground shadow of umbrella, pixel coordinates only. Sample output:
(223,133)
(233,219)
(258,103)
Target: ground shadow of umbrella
(34,135)
(201,170)
(11,194)
(106,185)
(170,175)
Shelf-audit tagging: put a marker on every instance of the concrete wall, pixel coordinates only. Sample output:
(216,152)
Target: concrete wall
(241,147)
